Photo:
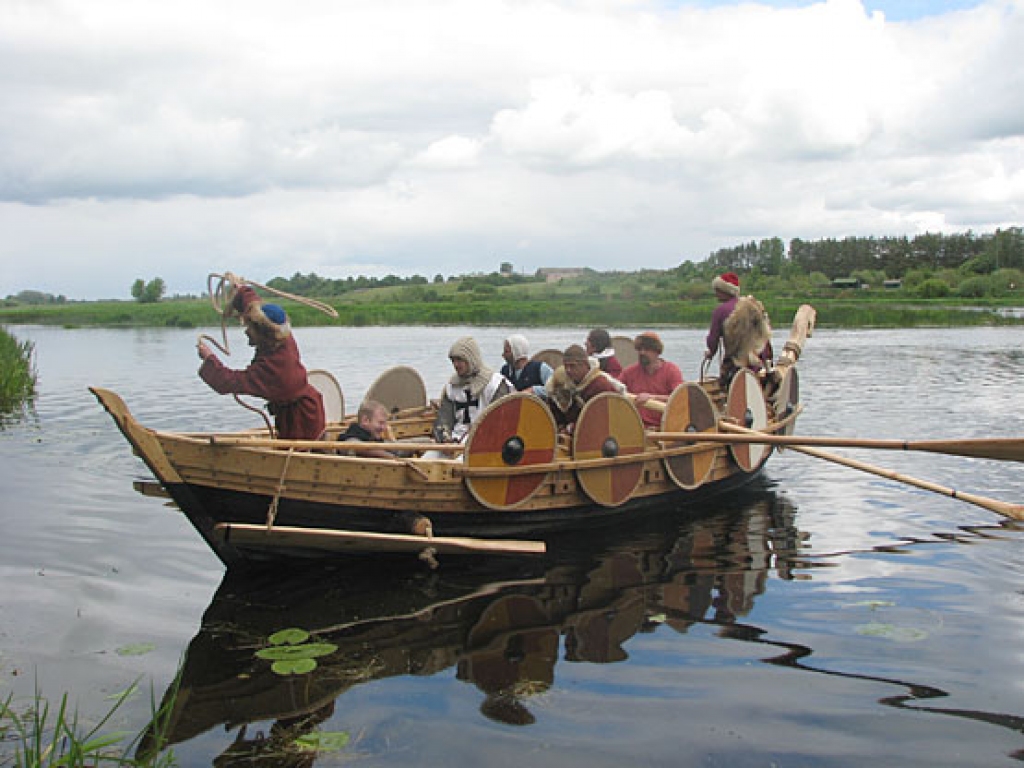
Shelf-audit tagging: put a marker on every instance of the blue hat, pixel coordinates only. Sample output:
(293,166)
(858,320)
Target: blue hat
(275,314)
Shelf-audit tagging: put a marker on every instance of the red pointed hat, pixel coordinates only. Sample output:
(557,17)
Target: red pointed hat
(728,283)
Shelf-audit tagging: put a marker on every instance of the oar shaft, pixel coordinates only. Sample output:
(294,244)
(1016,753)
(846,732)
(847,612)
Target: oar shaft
(1014,511)
(1005,449)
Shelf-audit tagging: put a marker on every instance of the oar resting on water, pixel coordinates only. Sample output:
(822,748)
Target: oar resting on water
(1000,448)
(1014,511)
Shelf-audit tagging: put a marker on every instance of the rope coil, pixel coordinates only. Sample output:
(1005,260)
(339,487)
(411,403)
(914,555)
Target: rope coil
(221,297)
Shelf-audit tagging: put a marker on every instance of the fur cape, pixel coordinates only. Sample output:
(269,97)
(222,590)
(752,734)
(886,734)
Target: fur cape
(745,332)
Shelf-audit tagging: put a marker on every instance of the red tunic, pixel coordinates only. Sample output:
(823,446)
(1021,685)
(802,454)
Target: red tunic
(662,382)
(279,377)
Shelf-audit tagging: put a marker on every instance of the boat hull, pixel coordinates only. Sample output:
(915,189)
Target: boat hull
(229,490)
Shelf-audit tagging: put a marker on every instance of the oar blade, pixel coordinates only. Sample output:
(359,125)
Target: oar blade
(1000,448)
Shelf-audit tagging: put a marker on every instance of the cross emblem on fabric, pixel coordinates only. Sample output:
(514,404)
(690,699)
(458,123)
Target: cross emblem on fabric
(471,402)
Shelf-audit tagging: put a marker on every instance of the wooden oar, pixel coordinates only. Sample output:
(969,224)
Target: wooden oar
(1001,448)
(330,445)
(1014,511)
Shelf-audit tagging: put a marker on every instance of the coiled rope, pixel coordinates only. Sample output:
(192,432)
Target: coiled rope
(221,298)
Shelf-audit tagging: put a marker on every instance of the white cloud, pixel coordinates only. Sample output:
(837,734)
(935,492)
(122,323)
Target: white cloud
(449,153)
(394,136)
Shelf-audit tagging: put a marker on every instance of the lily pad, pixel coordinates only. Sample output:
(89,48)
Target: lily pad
(892,632)
(135,649)
(287,652)
(323,742)
(290,636)
(299,666)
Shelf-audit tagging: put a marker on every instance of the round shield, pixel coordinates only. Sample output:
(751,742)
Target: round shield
(329,388)
(515,431)
(552,357)
(625,352)
(746,405)
(398,388)
(787,399)
(609,426)
(689,409)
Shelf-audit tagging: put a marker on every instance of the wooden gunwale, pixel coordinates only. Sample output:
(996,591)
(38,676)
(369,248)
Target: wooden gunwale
(319,476)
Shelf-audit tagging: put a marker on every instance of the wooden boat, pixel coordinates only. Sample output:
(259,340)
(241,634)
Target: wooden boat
(253,497)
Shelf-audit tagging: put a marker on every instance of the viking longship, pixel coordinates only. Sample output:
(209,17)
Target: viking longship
(515,480)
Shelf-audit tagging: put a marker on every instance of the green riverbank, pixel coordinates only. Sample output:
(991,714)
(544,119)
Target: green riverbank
(539,305)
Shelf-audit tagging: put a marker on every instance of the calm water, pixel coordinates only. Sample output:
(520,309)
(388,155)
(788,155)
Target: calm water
(826,617)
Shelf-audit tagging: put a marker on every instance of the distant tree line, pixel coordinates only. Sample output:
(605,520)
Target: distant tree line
(34,298)
(894,257)
(314,285)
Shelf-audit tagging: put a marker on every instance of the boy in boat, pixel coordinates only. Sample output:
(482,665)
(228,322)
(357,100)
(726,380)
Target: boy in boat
(574,382)
(599,345)
(275,374)
(741,327)
(523,373)
(651,377)
(470,390)
(370,426)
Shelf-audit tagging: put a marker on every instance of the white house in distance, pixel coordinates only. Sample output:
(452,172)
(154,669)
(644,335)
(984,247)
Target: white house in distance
(557,275)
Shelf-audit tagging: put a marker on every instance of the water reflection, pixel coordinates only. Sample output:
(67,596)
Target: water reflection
(502,625)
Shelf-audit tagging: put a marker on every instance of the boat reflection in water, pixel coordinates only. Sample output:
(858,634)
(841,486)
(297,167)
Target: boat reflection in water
(500,625)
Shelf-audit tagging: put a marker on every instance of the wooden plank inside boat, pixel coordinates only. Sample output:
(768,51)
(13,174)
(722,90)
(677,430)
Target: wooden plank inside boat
(609,426)
(515,431)
(747,406)
(285,537)
(689,409)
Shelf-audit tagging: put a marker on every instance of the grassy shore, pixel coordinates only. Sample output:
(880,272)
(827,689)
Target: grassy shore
(537,305)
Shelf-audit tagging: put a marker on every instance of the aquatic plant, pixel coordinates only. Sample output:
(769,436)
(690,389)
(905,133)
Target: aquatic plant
(17,374)
(43,738)
(291,654)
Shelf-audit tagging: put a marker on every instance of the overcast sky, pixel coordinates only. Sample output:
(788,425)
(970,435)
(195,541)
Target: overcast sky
(371,137)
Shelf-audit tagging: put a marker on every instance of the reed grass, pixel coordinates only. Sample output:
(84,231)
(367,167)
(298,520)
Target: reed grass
(43,737)
(17,374)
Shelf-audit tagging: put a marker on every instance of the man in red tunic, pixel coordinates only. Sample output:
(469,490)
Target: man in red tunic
(276,372)
(651,377)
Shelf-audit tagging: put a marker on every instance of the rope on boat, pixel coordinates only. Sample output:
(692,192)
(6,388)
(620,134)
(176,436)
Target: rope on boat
(221,297)
(272,509)
(228,282)
(705,363)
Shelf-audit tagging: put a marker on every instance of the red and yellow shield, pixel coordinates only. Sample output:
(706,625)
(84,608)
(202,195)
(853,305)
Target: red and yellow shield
(516,431)
(609,427)
(689,409)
